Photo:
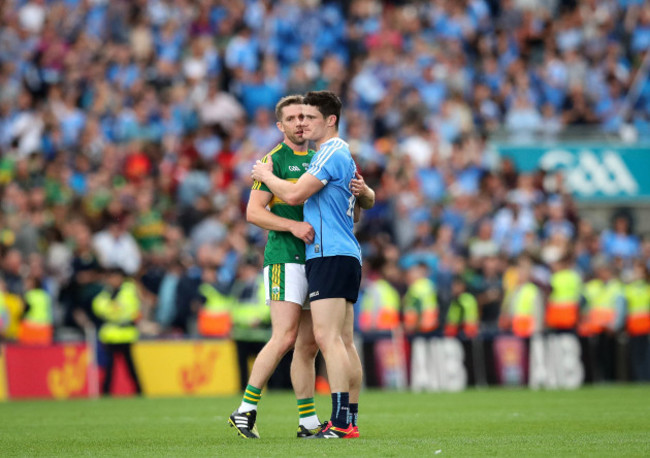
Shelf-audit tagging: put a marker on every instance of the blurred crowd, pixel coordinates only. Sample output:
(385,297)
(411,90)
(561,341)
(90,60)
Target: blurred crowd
(128,130)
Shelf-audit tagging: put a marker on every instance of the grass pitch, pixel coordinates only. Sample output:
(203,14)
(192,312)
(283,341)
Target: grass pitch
(610,420)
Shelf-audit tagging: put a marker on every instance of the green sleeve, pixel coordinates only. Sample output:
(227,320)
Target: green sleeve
(257,185)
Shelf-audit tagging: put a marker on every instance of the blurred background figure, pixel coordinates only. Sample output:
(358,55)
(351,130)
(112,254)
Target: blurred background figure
(462,315)
(637,295)
(215,312)
(380,305)
(603,318)
(36,326)
(251,319)
(420,308)
(523,310)
(563,305)
(489,290)
(118,307)
(115,246)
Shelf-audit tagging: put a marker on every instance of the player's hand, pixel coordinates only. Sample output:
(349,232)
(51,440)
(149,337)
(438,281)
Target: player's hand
(262,170)
(357,185)
(303,231)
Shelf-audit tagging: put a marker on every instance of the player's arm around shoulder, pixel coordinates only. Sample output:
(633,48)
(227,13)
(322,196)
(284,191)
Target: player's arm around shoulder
(306,186)
(259,215)
(364,193)
(292,193)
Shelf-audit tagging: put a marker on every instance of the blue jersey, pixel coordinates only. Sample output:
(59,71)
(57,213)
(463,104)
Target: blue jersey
(331,210)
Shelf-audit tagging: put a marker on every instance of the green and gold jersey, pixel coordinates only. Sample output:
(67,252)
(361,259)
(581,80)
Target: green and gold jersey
(283,247)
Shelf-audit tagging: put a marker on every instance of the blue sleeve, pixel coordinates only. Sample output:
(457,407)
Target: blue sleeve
(324,165)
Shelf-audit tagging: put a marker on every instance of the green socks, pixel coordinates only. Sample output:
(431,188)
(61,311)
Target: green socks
(251,397)
(307,413)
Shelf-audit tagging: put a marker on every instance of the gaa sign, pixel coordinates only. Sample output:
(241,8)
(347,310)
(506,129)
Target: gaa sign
(597,171)
(589,174)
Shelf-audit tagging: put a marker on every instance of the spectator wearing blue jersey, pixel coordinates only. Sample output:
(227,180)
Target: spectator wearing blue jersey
(620,242)
(334,258)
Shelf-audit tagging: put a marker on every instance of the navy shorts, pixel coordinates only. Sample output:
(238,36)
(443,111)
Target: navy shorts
(333,277)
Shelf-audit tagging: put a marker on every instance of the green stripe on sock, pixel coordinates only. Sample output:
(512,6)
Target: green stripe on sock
(252,395)
(306,407)
(254,390)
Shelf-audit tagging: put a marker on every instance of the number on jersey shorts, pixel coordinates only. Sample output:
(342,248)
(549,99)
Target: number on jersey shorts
(286,282)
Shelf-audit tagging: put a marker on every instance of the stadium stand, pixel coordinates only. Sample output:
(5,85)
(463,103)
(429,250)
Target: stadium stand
(128,130)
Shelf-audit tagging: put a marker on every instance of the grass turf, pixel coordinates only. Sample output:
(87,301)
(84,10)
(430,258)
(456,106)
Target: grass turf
(609,420)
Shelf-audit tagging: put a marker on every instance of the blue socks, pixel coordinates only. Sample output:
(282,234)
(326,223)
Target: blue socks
(340,410)
(354,413)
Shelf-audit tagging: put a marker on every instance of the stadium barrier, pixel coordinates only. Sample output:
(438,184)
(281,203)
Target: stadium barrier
(545,361)
(391,361)
(165,368)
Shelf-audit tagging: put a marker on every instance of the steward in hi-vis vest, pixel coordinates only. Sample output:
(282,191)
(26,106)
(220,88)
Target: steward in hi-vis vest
(602,318)
(563,305)
(118,306)
(251,320)
(380,304)
(604,297)
(463,311)
(214,316)
(522,313)
(251,317)
(36,325)
(637,296)
(420,302)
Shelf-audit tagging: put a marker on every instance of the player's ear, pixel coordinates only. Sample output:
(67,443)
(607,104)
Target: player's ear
(331,120)
(280,126)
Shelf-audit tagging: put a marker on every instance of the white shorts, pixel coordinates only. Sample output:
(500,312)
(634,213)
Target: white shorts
(286,282)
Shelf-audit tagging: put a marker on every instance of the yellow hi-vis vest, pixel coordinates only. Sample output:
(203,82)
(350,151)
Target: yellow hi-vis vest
(637,295)
(564,302)
(36,325)
(379,307)
(40,307)
(523,310)
(214,318)
(119,314)
(465,309)
(421,307)
(251,319)
(601,306)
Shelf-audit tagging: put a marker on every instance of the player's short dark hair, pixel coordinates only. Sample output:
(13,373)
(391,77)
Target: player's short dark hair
(285,102)
(327,102)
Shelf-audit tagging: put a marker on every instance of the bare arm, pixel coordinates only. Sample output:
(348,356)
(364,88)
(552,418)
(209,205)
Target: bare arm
(292,193)
(365,194)
(257,214)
